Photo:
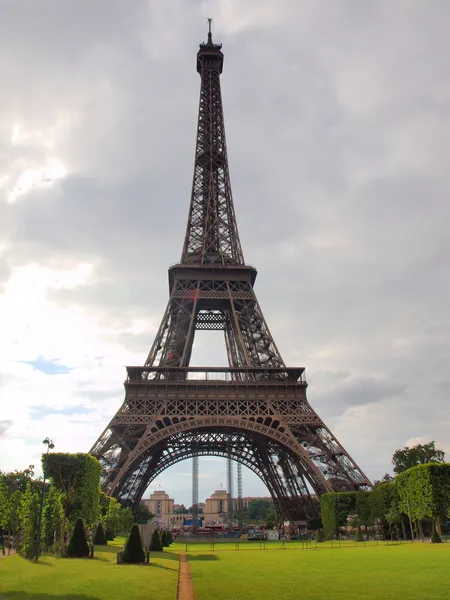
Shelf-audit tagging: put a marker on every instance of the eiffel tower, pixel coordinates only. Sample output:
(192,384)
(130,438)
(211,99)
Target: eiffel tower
(253,411)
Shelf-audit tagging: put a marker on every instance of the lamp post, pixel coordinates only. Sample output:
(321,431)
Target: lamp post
(50,446)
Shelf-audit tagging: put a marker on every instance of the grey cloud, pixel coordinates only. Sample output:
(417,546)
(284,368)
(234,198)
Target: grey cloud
(337,129)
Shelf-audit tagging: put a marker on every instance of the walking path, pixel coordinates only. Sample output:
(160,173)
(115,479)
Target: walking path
(185,587)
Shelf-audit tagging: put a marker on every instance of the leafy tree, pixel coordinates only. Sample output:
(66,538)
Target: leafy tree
(18,480)
(52,518)
(420,454)
(13,512)
(133,552)
(99,537)
(435,537)
(4,499)
(181,510)
(335,509)
(125,519)
(29,520)
(142,515)
(77,476)
(363,509)
(424,492)
(259,508)
(155,542)
(112,517)
(385,479)
(78,546)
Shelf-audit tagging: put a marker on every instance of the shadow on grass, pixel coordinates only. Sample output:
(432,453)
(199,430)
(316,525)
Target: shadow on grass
(28,596)
(192,557)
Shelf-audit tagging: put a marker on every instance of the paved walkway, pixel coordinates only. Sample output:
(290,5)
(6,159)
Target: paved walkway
(185,587)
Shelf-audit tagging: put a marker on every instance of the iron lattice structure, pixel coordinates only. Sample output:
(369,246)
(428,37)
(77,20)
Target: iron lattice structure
(255,410)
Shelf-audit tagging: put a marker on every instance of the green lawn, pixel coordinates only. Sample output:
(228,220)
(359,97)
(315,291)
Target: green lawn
(85,579)
(365,572)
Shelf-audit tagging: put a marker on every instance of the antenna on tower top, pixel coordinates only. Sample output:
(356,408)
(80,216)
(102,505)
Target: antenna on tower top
(209,31)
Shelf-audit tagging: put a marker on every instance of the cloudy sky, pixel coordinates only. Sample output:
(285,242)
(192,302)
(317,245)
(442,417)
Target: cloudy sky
(338,130)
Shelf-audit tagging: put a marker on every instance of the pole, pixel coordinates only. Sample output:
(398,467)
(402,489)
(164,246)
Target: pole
(38,540)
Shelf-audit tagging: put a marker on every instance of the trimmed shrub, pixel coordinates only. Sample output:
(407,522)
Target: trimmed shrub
(100,537)
(78,546)
(155,542)
(134,553)
(165,539)
(170,537)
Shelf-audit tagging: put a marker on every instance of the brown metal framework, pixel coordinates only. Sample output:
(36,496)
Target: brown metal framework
(255,411)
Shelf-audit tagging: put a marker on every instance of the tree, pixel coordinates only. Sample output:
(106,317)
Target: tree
(142,515)
(181,510)
(385,479)
(3,505)
(99,537)
(258,509)
(125,519)
(424,492)
(77,476)
(18,480)
(335,509)
(112,518)
(420,454)
(52,518)
(134,553)
(29,521)
(155,542)
(78,546)
(13,512)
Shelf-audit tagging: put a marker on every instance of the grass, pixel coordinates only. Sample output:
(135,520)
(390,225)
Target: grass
(366,571)
(85,579)
(363,572)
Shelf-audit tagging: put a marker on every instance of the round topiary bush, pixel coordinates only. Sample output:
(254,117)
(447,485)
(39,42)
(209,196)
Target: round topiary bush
(155,542)
(78,546)
(134,552)
(100,537)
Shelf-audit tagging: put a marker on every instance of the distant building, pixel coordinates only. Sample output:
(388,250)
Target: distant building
(214,510)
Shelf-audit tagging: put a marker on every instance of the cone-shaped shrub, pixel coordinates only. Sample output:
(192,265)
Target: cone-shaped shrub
(165,539)
(78,546)
(170,537)
(100,537)
(109,534)
(134,552)
(155,542)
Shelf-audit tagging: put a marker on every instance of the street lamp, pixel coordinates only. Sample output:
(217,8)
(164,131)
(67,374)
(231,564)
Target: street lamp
(50,446)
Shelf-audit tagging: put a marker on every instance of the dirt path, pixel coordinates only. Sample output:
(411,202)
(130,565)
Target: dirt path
(185,587)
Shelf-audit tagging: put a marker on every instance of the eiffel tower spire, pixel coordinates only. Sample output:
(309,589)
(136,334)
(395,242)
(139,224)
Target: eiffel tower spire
(211,234)
(254,410)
